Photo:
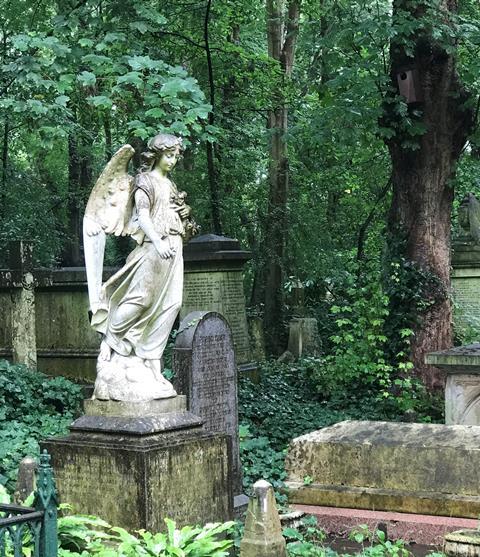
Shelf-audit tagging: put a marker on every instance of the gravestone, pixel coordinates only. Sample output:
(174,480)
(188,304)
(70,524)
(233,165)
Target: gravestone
(214,282)
(205,370)
(263,530)
(466,267)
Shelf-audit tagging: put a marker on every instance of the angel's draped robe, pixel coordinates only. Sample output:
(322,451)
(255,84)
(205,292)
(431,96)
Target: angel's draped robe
(142,302)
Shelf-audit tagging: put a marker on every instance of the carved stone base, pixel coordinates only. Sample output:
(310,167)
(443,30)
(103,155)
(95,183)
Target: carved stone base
(462,399)
(119,469)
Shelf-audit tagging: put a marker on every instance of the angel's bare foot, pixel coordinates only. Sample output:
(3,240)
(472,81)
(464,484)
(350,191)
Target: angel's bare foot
(105,352)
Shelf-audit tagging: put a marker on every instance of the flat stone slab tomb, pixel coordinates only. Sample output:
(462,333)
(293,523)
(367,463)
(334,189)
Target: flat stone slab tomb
(412,468)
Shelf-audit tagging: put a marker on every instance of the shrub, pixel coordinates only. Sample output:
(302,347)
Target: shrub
(32,407)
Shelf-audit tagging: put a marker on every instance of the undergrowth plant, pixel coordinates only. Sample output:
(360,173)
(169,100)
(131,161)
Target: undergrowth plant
(32,407)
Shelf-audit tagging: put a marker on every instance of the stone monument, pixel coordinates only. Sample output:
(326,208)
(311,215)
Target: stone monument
(214,282)
(137,455)
(205,370)
(462,389)
(303,337)
(263,529)
(466,266)
(428,469)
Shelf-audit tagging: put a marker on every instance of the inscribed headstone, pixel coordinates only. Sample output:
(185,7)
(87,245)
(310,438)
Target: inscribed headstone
(205,371)
(214,282)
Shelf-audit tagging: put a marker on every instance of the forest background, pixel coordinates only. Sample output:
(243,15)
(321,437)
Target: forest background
(299,145)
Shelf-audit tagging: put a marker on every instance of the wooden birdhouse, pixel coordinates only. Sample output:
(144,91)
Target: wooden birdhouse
(409,85)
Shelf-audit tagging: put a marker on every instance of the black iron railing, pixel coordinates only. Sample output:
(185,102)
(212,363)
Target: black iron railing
(32,527)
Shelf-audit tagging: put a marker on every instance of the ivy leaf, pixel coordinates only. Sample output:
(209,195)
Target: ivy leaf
(155,113)
(86,43)
(87,79)
(150,13)
(178,85)
(62,100)
(131,78)
(100,101)
(140,26)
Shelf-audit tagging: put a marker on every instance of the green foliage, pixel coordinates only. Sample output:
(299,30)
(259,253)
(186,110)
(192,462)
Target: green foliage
(295,399)
(93,536)
(308,541)
(32,407)
(86,536)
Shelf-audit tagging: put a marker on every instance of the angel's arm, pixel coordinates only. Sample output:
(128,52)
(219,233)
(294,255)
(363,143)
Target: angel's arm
(142,204)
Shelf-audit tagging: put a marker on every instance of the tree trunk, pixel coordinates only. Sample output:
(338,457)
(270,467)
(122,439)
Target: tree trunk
(6,132)
(419,218)
(211,170)
(282,31)
(79,182)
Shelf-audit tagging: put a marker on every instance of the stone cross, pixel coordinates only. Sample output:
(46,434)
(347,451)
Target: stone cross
(263,530)
(205,371)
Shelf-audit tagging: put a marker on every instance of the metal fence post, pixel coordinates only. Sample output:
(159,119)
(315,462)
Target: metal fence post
(46,500)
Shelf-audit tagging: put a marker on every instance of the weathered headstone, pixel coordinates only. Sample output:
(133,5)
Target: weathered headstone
(205,370)
(214,281)
(26,479)
(303,338)
(263,530)
(136,463)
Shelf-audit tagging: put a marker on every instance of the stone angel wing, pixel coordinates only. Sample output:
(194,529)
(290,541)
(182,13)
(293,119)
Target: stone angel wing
(108,211)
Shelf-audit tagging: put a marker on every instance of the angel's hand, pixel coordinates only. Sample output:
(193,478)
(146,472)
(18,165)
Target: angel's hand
(184,211)
(91,227)
(164,250)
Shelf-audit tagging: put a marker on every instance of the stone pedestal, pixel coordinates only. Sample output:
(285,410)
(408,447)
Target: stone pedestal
(134,471)
(411,468)
(214,282)
(462,389)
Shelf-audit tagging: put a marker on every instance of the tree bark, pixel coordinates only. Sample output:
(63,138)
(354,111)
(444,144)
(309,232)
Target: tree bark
(211,170)
(282,31)
(420,212)
(79,182)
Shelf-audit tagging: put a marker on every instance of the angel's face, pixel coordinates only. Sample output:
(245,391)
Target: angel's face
(168,159)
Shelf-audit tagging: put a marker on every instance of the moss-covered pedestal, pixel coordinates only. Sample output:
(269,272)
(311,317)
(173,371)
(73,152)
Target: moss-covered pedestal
(134,465)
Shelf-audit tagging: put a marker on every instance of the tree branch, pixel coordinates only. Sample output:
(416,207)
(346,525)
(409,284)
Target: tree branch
(366,223)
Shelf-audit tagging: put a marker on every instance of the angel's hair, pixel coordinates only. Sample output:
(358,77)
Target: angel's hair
(156,146)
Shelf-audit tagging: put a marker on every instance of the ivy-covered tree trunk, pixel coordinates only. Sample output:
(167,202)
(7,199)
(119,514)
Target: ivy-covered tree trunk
(282,30)
(427,142)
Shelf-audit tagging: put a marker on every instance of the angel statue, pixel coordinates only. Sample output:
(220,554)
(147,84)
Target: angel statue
(136,308)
